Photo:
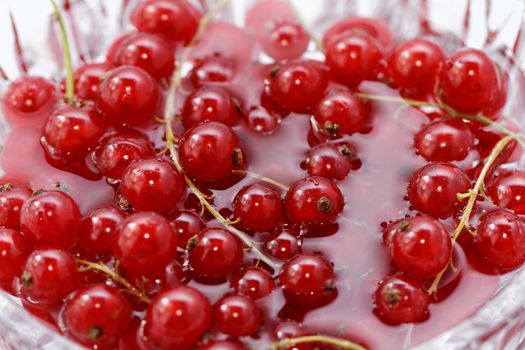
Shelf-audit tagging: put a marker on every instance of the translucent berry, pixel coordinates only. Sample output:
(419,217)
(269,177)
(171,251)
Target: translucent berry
(212,70)
(29,96)
(282,244)
(14,250)
(12,198)
(262,121)
(210,103)
(292,329)
(99,229)
(87,80)
(258,206)
(253,282)
(186,224)
(329,160)
(371,26)
(237,315)
(508,190)
(284,40)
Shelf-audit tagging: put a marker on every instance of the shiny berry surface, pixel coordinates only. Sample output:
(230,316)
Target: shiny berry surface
(253,282)
(258,206)
(237,315)
(12,197)
(99,229)
(282,244)
(210,103)
(29,95)
(508,190)
(212,70)
(284,40)
(374,27)
(87,80)
(186,224)
(14,250)
(331,161)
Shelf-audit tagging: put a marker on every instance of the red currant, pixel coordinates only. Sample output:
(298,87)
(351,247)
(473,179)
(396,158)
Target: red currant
(210,103)
(262,121)
(212,70)
(284,40)
(12,198)
(49,276)
(371,26)
(14,250)
(177,318)
(353,58)
(237,315)
(282,244)
(210,151)
(400,299)
(330,160)
(500,239)
(29,96)
(414,66)
(87,80)
(128,96)
(313,200)
(186,224)
(444,140)
(223,345)
(508,190)
(97,315)
(433,189)
(298,85)
(152,184)
(253,282)
(145,243)
(99,229)
(469,81)
(215,252)
(51,219)
(290,330)
(258,206)
(115,47)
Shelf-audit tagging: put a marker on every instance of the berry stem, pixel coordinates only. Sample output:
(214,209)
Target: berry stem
(70,83)
(472,196)
(338,342)
(116,277)
(262,178)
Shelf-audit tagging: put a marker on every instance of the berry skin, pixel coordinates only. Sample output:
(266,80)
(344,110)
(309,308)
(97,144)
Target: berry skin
(145,243)
(371,26)
(433,189)
(223,345)
(500,239)
(282,244)
(298,85)
(128,96)
(341,112)
(14,250)
(177,318)
(400,299)
(175,20)
(237,315)
(313,200)
(152,184)
(292,329)
(49,276)
(284,40)
(330,160)
(253,282)
(210,151)
(97,314)
(211,103)
(258,206)
(353,58)
(51,219)
(12,198)
(212,70)
(147,51)
(87,80)
(508,190)
(414,66)
(98,230)
(444,140)
(116,151)
(421,246)
(29,96)
(215,252)
(72,132)
(261,120)
(469,81)
(186,224)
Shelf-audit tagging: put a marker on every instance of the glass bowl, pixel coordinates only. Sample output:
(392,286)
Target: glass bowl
(495,26)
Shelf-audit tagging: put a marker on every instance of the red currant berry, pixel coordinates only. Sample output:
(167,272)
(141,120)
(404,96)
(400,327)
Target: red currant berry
(421,247)
(210,103)
(269,104)
(284,40)
(469,81)
(115,46)
(500,239)
(210,151)
(341,112)
(118,150)
(444,140)
(400,299)
(290,330)
(371,26)
(12,198)
(433,189)
(149,52)
(313,200)
(128,96)
(282,244)
(14,250)
(508,190)
(237,315)
(414,66)
(87,80)
(72,132)
(51,219)
(177,318)
(99,229)
(262,121)
(176,20)
(253,282)
(97,315)
(298,85)
(145,243)
(211,70)
(330,160)
(215,252)
(258,206)
(152,184)
(353,58)
(29,96)
(49,276)
(186,224)
(222,345)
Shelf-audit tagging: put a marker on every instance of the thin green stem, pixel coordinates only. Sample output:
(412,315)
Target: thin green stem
(340,343)
(262,178)
(70,82)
